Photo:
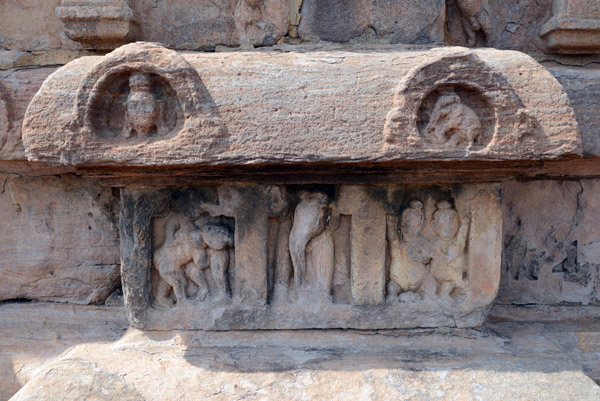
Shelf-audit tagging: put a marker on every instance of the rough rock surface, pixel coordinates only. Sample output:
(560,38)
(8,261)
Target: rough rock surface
(510,358)
(204,24)
(551,242)
(437,104)
(33,334)
(383,21)
(17,88)
(30,25)
(506,24)
(59,240)
(582,86)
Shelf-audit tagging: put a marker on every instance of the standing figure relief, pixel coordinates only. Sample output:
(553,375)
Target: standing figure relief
(311,243)
(454,123)
(409,252)
(448,267)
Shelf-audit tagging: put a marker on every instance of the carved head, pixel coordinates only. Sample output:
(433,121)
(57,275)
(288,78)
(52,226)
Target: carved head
(445,220)
(217,237)
(411,221)
(142,108)
(277,201)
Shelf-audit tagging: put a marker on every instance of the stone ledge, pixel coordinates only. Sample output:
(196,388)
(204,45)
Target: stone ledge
(525,358)
(375,105)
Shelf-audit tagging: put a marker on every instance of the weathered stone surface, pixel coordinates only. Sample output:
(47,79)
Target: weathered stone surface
(32,25)
(551,243)
(27,25)
(352,256)
(98,25)
(502,24)
(204,24)
(511,358)
(574,27)
(384,21)
(439,104)
(17,88)
(33,334)
(59,240)
(583,88)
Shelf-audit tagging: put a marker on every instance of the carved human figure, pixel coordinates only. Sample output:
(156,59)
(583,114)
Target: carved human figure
(409,252)
(182,245)
(475,18)
(453,122)
(142,107)
(218,239)
(448,265)
(280,226)
(309,221)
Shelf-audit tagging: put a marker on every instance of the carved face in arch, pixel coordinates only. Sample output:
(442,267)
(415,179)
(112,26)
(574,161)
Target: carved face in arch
(135,105)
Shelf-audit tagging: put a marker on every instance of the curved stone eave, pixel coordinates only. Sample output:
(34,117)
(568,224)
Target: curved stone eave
(367,105)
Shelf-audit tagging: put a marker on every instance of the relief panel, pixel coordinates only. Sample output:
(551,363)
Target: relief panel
(310,256)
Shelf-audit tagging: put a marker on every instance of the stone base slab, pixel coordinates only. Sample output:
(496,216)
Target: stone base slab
(519,354)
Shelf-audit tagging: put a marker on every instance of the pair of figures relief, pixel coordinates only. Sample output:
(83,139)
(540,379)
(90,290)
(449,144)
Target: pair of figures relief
(422,248)
(189,253)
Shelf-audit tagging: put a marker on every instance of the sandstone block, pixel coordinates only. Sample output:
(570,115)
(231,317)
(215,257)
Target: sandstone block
(205,24)
(216,108)
(574,27)
(386,21)
(59,240)
(502,24)
(98,25)
(32,25)
(551,243)
(17,88)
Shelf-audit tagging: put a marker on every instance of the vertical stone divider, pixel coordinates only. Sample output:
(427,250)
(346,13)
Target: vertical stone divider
(251,236)
(485,244)
(138,208)
(367,242)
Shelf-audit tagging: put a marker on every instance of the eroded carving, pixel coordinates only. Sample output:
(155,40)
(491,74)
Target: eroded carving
(410,255)
(142,107)
(454,123)
(319,256)
(430,244)
(189,251)
(475,19)
(458,104)
(309,221)
(448,265)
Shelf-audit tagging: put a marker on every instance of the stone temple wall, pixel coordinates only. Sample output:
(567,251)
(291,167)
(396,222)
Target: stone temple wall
(346,164)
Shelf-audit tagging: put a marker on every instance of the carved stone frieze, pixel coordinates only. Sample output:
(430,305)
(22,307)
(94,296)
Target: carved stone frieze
(310,256)
(574,27)
(98,24)
(145,105)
